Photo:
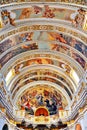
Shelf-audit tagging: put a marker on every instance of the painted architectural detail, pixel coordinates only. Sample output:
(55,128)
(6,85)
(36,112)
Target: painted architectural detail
(82,2)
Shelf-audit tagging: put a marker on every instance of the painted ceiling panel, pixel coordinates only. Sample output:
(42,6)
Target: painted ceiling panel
(43,46)
(45,95)
(44,37)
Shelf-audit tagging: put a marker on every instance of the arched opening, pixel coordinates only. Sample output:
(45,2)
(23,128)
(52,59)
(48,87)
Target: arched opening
(41,111)
(78,127)
(5,127)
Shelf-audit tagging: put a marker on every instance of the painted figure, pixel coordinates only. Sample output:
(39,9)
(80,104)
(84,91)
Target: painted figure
(78,18)
(48,13)
(26,12)
(8,17)
(39,99)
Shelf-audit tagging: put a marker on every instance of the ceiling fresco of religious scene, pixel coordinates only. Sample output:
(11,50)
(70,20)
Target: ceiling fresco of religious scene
(39,96)
(45,36)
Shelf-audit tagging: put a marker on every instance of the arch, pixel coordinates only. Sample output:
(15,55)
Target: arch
(5,127)
(78,127)
(19,92)
(41,111)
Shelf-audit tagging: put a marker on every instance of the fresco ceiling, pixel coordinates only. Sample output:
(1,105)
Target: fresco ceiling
(42,43)
(41,95)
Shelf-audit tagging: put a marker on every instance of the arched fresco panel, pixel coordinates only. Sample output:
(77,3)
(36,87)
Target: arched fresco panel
(41,97)
(43,36)
(43,46)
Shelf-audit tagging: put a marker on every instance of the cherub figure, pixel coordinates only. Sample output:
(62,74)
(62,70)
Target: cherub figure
(26,12)
(8,17)
(48,13)
(78,17)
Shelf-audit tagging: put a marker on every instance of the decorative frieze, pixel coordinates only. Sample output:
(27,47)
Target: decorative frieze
(44,27)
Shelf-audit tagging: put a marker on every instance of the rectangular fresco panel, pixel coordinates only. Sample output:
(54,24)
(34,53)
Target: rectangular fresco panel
(43,12)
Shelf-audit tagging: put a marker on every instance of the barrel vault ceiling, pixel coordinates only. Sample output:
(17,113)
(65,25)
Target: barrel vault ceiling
(43,49)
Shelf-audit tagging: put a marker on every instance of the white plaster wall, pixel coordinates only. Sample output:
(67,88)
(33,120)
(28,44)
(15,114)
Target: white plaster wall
(85,121)
(2,123)
(82,124)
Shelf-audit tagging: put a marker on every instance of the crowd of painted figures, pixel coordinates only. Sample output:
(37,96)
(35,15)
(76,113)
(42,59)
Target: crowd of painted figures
(66,40)
(30,101)
(67,1)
